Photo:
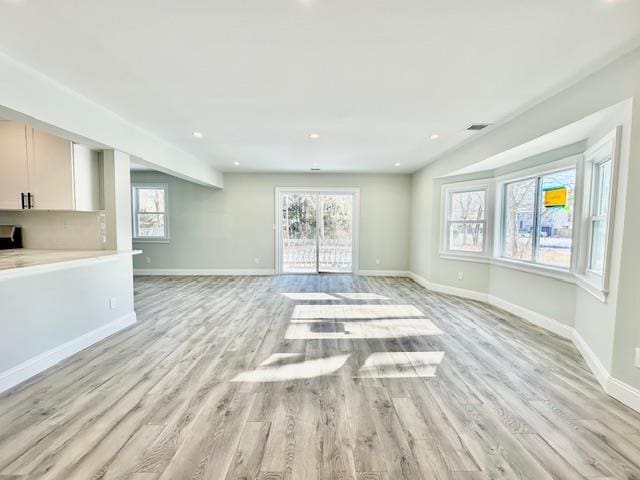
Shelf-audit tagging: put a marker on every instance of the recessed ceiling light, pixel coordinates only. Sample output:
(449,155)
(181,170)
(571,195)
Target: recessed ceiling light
(314,136)
(237,164)
(197,134)
(315,164)
(396,164)
(435,136)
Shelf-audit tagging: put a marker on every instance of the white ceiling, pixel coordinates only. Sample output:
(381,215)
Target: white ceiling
(375,78)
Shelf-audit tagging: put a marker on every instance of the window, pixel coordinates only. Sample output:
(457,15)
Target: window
(150,212)
(466,220)
(538,218)
(599,205)
(599,213)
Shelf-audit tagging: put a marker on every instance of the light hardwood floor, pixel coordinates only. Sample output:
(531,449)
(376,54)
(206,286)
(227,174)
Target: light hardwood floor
(229,378)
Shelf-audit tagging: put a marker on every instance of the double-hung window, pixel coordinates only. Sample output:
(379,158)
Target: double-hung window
(537,218)
(150,212)
(466,220)
(599,215)
(600,163)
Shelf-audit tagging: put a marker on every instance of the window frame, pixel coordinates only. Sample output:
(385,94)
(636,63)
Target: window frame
(448,190)
(135,188)
(605,150)
(594,216)
(537,174)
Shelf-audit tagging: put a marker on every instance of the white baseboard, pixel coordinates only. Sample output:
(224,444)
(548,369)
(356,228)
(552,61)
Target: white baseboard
(593,362)
(203,271)
(383,273)
(536,318)
(533,317)
(619,390)
(624,393)
(449,290)
(40,363)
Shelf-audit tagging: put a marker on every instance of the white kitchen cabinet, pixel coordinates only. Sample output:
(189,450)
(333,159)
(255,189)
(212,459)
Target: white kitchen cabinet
(86,179)
(52,173)
(14,176)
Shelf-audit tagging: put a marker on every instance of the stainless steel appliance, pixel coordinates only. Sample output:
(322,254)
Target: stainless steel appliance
(10,237)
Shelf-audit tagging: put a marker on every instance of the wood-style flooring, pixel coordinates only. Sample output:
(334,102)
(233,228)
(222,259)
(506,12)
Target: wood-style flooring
(295,377)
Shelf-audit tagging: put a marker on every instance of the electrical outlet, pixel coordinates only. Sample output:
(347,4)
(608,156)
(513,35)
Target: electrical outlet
(637,361)
(460,275)
(377,261)
(257,261)
(113,303)
(147,259)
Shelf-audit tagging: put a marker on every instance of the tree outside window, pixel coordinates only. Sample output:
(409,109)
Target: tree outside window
(466,221)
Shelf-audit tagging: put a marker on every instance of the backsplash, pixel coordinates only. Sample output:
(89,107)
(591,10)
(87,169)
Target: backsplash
(57,230)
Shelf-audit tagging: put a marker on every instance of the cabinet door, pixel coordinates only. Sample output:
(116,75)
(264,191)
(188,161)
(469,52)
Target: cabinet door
(13,164)
(86,179)
(51,172)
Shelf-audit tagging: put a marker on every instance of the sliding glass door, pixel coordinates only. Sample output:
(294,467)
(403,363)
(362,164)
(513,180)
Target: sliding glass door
(299,234)
(316,231)
(335,233)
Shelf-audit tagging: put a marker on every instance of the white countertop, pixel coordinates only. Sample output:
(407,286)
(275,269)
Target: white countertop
(21,260)
(25,257)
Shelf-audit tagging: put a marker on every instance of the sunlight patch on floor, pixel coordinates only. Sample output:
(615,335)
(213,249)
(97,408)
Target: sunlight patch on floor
(305,296)
(363,296)
(401,365)
(354,311)
(282,358)
(370,329)
(270,372)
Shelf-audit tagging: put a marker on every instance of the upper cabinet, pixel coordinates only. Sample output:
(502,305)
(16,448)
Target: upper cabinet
(45,172)
(14,173)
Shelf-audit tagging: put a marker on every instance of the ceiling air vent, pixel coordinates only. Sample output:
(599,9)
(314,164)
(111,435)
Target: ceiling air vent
(474,127)
(315,169)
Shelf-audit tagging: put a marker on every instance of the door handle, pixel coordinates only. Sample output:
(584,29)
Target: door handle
(30,201)
(23,203)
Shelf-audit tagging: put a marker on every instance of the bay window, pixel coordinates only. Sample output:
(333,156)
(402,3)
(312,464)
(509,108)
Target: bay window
(555,219)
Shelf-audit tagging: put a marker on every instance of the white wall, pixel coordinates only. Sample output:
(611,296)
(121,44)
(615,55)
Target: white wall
(71,302)
(627,332)
(598,323)
(229,228)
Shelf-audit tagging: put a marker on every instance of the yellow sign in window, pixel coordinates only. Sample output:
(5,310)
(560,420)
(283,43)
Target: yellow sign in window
(555,197)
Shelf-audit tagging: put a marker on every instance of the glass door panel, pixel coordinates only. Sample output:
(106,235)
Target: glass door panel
(335,233)
(299,232)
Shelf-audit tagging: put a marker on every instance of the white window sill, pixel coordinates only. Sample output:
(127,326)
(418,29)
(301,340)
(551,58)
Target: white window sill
(150,240)
(536,269)
(465,257)
(592,288)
